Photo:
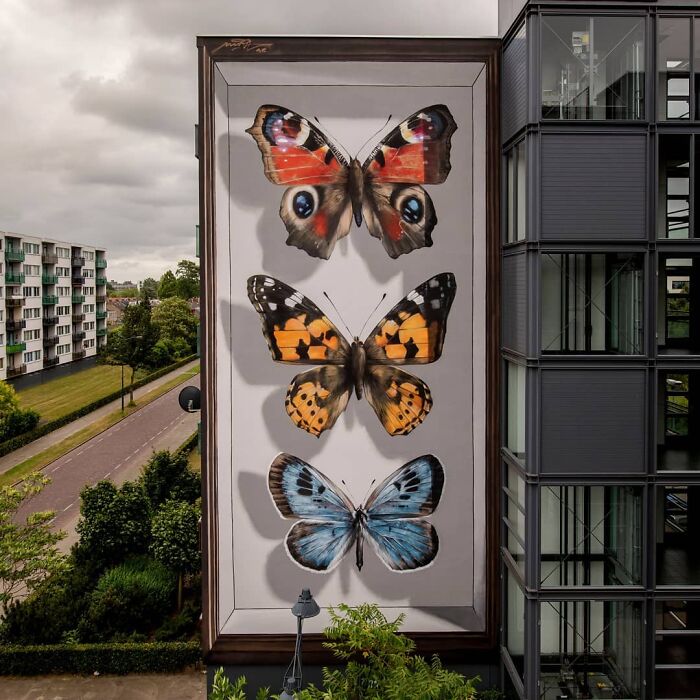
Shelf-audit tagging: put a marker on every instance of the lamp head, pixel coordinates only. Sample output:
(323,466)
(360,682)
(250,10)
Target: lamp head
(306,606)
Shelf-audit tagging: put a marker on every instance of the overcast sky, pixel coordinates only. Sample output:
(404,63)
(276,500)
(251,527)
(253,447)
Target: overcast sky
(99,102)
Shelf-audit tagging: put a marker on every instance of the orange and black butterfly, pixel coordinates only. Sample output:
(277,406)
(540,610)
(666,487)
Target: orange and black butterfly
(299,333)
(327,189)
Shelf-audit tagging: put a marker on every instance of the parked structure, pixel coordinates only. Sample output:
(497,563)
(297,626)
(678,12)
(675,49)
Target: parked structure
(53,303)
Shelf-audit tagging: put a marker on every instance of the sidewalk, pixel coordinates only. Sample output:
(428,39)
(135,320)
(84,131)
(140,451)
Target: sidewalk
(180,686)
(33,448)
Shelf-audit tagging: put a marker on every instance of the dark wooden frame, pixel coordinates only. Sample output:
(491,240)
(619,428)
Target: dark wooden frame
(265,648)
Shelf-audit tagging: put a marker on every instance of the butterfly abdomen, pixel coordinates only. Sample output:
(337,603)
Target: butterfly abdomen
(358,364)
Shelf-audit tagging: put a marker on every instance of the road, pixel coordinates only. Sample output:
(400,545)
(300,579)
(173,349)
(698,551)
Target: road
(117,454)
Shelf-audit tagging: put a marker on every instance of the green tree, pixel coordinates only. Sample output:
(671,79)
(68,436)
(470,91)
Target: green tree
(150,287)
(13,419)
(167,476)
(132,343)
(114,524)
(9,401)
(28,552)
(175,539)
(175,320)
(187,275)
(167,287)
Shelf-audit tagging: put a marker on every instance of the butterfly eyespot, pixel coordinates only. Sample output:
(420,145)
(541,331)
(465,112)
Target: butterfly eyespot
(303,204)
(412,210)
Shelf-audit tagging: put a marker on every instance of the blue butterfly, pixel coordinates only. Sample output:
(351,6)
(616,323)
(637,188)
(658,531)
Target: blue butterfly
(330,524)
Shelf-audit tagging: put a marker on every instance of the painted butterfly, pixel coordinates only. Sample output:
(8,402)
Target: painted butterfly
(327,189)
(392,518)
(298,332)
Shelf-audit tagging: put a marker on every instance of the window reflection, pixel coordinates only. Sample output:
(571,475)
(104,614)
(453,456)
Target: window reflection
(673,56)
(592,67)
(677,648)
(517,195)
(678,529)
(678,428)
(515,423)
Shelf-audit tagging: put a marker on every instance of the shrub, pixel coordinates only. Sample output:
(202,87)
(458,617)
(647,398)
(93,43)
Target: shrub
(167,476)
(182,626)
(132,597)
(17,422)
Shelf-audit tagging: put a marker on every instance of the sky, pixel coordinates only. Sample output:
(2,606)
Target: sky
(99,102)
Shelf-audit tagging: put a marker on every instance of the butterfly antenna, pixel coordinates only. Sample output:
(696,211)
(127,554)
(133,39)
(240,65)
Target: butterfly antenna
(372,314)
(336,144)
(378,131)
(338,312)
(347,488)
(369,490)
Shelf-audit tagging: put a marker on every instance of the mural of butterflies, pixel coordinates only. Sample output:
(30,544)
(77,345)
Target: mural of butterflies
(298,332)
(326,189)
(329,524)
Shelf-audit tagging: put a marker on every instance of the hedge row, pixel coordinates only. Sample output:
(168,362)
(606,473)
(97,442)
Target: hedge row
(22,440)
(189,444)
(141,657)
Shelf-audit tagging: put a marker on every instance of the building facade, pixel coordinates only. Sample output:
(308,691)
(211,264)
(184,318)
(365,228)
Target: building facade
(600,129)
(53,308)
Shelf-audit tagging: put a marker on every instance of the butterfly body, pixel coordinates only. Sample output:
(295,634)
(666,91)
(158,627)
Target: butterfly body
(298,332)
(329,524)
(327,190)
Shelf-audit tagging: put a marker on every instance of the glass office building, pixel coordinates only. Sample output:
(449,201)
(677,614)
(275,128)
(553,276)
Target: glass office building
(600,545)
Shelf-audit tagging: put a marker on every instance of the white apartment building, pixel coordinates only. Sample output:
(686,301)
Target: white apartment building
(52,303)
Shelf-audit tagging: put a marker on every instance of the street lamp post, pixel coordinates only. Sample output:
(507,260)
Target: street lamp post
(133,337)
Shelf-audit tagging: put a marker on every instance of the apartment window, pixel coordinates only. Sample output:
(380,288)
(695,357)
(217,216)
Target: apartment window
(31,269)
(678,425)
(62,349)
(2,315)
(63,291)
(678,529)
(62,330)
(88,308)
(63,310)
(62,252)
(87,272)
(89,326)
(515,422)
(31,291)
(2,339)
(678,69)
(33,334)
(592,303)
(516,174)
(677,641)
(63,271)
(88,291)
(592,67)
(590,648)
(32,356)
(89,343)
(31,313)
(88,255)
(590,536)
(31,248)
(676,181)
(678,310)
(2,359)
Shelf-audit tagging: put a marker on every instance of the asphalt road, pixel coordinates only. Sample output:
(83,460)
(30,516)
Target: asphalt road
(117,454)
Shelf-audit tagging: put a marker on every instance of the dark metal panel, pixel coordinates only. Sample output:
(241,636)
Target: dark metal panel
(514,85)
(594,186)
(593,421)
(514,309)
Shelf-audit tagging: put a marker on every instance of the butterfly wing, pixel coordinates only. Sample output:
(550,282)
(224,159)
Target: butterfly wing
(327,530)
(403,540)
(296,330)
(396,208)
(413,332)
(315,399)
(400,400)
(316,209)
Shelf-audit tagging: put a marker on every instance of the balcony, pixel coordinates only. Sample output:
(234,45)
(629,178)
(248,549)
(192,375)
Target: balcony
(101,298)
(49,279)
(11,326)
(16,371)
(77,318)
(77,262)
(15,302)
(79,355)
(77,299)
(77,337)
(13,348)
(14,255)
(14,278)
(100,263)
(50,362)
(77,281)
(49,320)
(49,258)
(100,281)
(100,315)
(49,300)
(101,331)
(50,342)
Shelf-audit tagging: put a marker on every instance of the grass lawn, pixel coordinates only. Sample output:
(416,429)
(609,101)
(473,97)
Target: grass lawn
(39,461)
(57,397)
